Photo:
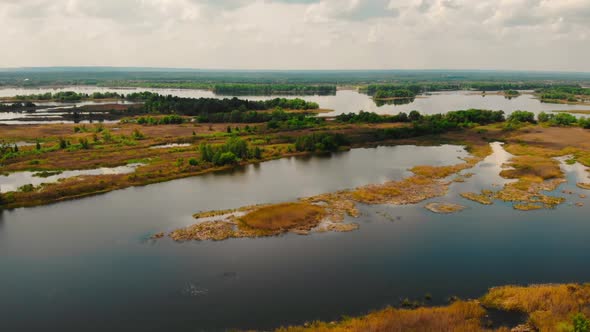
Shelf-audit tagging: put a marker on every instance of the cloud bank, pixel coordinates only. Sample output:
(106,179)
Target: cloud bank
(298,34)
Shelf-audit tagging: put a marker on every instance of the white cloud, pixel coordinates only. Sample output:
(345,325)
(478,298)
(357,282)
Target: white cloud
(310,34)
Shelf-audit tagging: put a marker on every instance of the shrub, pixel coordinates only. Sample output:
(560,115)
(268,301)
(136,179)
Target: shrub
(84,143)
(193,162)
(26,188)
(584,123)
(522,116)
(544,117)
(137,135)
(320,142)
(581,323)
(563,119)
(224,158)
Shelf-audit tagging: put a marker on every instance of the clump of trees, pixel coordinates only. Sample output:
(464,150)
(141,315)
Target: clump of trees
(562,119)
(320,142)
(371,117)
(165,120)
(522,116)
(568,93)
(454,119)
(440,123)
(155,103)
(69,96)
(234,150)
(270,89)
(274,118)
(398,93)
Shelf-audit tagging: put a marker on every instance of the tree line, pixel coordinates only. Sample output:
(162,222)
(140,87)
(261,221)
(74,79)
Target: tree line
(273,89)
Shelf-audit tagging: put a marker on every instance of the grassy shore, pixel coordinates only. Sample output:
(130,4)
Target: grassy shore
(546,308)
(111,145)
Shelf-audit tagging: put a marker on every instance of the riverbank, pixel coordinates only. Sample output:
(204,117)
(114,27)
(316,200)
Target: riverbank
(112,145)
(549,307)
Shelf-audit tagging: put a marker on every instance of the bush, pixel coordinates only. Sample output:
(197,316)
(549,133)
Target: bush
(26,188)
(563,119)
(522,116)
(193,162)
(581,323)
(137,135)
(84,143)
(320,142)
(544,117)
(584,123)
(224,158)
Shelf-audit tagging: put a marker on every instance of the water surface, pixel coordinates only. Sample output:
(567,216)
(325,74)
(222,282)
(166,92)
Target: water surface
(88,265)
(347,101)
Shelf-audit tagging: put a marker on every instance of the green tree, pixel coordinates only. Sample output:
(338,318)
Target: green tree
(522,116)
(544,117)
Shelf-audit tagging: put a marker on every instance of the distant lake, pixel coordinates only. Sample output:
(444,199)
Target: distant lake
(345,101)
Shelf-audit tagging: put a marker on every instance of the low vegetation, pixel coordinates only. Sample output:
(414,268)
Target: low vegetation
(547,308)
(285,216)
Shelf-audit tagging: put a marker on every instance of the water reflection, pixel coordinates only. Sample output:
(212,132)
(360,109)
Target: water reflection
(13,181)
(84,264)
(347,101)
(404,101)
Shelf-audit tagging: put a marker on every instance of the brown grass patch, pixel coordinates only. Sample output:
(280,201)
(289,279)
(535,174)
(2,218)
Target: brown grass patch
(548,306)
(284,216)
(444,208)
(459,316)
(484,198)
(533,166)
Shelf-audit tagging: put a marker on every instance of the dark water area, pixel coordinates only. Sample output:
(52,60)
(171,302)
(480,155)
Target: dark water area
(344,101)
(89,264)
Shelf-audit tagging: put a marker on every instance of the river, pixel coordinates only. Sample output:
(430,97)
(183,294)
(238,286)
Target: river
(89,265)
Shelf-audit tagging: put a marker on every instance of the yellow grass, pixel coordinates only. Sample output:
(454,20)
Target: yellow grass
(548,306)
(284,216)
(483,198)
(459,316)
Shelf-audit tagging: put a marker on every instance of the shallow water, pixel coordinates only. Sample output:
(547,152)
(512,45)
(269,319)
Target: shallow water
(12,181)
(88,264)
(346,101)
(171,145)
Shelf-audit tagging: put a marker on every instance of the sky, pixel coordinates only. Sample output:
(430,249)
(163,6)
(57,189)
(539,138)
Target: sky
(298,34)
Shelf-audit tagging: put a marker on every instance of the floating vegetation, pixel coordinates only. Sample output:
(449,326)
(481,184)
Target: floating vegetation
(528,191)
(285,216)
(528,206)
(326,212)
(444,208)
(485,198)
(46,174)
